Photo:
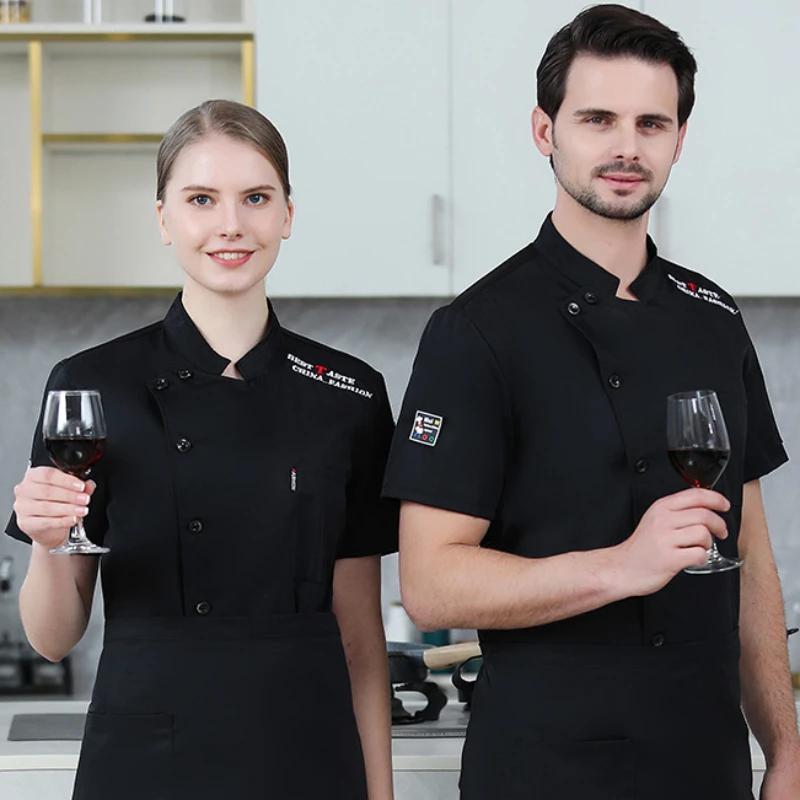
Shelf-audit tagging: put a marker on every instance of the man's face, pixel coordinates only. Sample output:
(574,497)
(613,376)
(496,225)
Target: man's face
(616,135)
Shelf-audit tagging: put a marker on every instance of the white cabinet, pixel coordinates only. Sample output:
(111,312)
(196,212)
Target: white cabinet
(732,203)
(502,186)
(360,93)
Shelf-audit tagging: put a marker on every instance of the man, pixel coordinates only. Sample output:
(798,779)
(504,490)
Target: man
(545,512)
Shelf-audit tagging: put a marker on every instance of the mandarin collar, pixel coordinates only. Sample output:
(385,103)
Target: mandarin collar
(586,273)
(184,334)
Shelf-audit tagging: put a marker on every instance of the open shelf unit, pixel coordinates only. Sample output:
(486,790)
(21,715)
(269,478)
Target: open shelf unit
(85,107)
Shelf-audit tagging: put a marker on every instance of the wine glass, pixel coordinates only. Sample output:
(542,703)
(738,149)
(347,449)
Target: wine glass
(699,450)
(74,431)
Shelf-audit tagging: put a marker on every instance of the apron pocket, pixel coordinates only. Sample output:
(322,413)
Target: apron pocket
(126,757)
(602,769)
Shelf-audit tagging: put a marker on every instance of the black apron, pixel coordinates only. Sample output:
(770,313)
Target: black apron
(201,709)
(597,722)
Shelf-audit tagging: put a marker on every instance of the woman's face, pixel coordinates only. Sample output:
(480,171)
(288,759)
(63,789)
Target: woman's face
(225,213)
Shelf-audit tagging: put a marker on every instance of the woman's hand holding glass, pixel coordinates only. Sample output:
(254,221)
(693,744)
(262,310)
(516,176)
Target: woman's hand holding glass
(49,502)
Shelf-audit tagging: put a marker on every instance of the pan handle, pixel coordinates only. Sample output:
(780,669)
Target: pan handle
(450,654)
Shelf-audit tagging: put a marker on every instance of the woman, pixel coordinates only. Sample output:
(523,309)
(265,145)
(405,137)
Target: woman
(239,497)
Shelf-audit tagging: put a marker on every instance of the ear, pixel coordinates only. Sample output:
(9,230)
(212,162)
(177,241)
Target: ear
(681,137)
(162,225)
(542,129)
(287,223)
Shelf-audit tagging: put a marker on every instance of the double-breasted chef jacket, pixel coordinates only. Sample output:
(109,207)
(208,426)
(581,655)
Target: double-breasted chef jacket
(225,504)
(545,395)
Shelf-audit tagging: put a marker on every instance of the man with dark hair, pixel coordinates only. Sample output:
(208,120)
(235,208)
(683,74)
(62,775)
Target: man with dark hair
(545,512)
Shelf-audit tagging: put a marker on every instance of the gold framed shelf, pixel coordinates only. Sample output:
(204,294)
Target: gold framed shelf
(88,291)
(24,32)
(37,44)
(100,141)
(102,138)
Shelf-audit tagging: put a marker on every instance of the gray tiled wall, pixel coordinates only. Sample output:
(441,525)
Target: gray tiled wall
(37,332)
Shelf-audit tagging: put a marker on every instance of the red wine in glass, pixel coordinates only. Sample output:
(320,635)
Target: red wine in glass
(74,430)
(75,456)
(699,450)
(698,467)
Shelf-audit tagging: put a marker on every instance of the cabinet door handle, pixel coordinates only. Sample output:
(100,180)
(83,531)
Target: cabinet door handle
(437,213)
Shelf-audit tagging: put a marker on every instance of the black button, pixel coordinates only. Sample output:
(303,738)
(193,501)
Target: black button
(195,526)
(183,445)
(161,384)
(185,374)
(203,608)
(641,466)
(658,639)
(615,382)
(590,297)
(574,309)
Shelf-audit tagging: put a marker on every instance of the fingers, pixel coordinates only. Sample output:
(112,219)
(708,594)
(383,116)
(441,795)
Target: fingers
(42,508)
(710,521)
(696,498)
(48,502)
(45,492)
(694,536)
(53,477)
(693,557)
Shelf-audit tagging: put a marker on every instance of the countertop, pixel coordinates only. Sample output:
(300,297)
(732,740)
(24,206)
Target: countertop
(409,754)
(435,753)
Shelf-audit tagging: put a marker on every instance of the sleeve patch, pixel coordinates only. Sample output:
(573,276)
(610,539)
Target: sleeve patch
(426,428)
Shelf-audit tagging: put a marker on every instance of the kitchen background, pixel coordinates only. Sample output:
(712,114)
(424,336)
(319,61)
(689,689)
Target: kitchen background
(36,332)
(414,174)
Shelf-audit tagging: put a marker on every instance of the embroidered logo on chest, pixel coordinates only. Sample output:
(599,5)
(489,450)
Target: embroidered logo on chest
(426,428)
(699,293)
(329,377)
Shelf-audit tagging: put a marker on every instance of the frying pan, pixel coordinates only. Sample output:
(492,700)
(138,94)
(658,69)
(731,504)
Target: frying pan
(409,661)
(408,672)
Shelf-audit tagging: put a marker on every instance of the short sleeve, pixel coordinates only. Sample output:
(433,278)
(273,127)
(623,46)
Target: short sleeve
(95,522)
(372,520)
(453,436)
(764,449)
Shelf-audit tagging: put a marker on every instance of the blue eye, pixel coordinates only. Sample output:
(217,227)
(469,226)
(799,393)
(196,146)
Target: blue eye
(256,198)
(200,200)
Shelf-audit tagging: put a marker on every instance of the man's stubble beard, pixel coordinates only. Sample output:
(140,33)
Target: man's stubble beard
(589,199)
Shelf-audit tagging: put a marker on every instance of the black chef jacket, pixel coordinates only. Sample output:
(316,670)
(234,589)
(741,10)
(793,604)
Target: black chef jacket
(538,402)
(202,474)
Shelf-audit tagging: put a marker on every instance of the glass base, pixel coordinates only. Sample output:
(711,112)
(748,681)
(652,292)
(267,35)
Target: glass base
(79,549)
(715,563)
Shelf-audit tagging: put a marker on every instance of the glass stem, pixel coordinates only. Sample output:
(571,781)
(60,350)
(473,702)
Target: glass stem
(77,535)
(713,553)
